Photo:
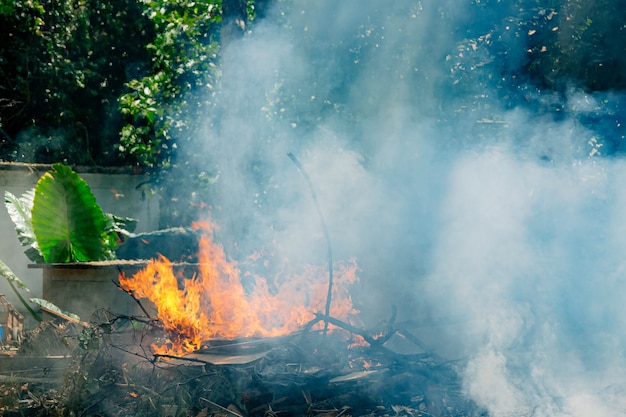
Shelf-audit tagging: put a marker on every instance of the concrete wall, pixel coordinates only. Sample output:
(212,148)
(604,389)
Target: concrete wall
(115,191)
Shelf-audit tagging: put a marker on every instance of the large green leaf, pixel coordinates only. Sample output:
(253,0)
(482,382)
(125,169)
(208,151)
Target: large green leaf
(67,221)
(20,212)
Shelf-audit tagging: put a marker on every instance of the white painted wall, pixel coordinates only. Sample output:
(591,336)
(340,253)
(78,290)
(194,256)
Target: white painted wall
(115,192)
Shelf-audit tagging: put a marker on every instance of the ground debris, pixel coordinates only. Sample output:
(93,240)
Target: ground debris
(306,374)
(31,377)
(313,374)
(49,339)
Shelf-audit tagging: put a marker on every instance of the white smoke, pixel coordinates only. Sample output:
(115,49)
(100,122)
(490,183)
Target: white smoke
(507,233)
(529,255)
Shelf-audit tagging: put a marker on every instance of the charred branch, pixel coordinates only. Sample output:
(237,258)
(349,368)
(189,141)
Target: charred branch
(132,295)
(372,340)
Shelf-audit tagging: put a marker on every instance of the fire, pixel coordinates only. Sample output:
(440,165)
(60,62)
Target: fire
(213,303)
(357,341)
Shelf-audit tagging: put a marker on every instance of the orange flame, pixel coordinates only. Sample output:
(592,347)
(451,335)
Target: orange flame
(213,303)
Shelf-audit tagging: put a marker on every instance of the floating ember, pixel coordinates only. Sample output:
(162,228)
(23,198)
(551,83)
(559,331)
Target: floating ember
(213,303)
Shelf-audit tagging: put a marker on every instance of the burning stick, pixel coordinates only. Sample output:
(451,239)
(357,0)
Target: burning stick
(132,295)
(326,235)
(341,324)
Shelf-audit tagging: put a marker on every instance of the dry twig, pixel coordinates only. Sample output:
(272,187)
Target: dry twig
(324,229)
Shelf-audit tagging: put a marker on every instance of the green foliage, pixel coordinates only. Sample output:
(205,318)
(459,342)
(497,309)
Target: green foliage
(580,42)
(13,280)
(75,88)
(60,220)
(165,105)
(555,44)
(117,229)
(63,64)
(67,220)
(20,212)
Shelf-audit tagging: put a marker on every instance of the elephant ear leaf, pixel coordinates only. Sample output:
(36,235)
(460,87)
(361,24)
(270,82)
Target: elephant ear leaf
(19,210)
(67,221)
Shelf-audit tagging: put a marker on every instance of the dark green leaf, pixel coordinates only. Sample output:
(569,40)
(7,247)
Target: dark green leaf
(67,221)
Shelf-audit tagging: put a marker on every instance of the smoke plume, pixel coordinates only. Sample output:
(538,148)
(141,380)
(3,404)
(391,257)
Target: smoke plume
(482,206)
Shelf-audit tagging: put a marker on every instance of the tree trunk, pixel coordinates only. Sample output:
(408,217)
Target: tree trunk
(234,20)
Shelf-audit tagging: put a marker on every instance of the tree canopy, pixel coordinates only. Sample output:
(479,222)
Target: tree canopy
(127,82)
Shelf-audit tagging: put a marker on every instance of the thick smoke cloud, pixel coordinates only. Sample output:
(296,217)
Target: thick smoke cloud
(498,229)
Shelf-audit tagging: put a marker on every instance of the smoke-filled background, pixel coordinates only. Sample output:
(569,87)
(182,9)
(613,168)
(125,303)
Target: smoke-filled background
(488,207)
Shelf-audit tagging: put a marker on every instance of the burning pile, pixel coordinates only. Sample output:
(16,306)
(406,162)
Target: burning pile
(304,372)
(213,302)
